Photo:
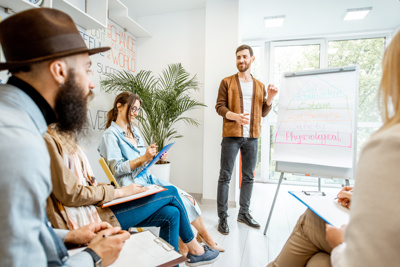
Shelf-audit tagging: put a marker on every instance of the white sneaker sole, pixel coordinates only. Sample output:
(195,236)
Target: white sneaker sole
(202,262)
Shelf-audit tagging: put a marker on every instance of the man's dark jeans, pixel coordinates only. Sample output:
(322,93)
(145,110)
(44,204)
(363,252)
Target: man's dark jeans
(229,149)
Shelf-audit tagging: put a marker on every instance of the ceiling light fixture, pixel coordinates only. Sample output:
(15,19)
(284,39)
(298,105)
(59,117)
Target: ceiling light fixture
(357,13)
(274,21)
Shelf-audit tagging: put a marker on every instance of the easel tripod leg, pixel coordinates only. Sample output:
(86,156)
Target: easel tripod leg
(319,184)
(273,203)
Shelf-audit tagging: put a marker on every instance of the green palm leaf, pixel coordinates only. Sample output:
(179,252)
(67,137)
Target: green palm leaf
(165,100)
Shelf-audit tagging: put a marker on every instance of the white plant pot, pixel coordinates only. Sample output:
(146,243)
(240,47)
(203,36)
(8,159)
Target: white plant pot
(161,171)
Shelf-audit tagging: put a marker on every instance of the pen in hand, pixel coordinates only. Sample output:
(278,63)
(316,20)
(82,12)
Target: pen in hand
(105,236)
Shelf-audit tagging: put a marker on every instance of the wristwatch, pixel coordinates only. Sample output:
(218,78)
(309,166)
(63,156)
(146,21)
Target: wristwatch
(96,258)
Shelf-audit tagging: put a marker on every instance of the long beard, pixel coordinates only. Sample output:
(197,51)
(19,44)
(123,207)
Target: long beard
(71,108)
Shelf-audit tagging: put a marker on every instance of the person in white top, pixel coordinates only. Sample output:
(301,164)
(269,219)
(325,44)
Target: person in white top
(307,245)
(242,101)
(372,235)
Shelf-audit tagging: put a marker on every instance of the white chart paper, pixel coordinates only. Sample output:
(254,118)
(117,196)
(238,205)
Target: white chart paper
(316,120)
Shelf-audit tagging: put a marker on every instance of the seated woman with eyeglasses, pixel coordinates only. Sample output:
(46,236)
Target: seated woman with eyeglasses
(119,146)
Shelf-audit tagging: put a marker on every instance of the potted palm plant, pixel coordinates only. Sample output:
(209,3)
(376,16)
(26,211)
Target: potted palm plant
(165,100)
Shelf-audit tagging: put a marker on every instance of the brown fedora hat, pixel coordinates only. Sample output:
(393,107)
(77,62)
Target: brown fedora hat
(40,34)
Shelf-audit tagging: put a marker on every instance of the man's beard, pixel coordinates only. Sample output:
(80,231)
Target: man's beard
(71,108)
(243,69)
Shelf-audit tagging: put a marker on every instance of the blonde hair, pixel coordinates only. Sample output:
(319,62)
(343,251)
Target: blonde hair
(389,88)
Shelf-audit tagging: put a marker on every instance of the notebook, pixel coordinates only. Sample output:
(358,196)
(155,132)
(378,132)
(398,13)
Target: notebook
(325,207)
(152,189)
(144,249)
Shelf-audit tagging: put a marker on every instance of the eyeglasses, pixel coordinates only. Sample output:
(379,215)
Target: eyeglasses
(135,109)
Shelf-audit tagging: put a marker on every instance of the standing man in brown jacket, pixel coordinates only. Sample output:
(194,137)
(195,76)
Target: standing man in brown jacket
(241,102)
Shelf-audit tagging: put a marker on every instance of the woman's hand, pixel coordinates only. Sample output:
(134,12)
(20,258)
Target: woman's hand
(151,152)
(164,157)
(334,236)
(129,190)
(344,196)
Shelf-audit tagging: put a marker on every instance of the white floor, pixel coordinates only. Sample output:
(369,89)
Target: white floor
(248,247)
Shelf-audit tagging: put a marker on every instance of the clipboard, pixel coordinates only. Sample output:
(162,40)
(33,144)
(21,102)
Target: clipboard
(325,206)
(144,249)
(152,189)
(155,159)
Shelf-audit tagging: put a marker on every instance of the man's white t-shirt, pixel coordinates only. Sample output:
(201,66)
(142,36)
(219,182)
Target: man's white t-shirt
(247,94)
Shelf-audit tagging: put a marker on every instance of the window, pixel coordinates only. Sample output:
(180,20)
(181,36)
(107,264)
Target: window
(290,57)
(322,53)
(256,72)
(368,55)
(255,67)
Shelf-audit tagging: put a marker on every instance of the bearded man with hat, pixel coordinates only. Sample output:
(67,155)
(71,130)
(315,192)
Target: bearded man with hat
(50,82)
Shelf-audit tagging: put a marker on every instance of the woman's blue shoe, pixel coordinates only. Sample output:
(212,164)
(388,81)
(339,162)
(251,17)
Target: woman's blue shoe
(208,257)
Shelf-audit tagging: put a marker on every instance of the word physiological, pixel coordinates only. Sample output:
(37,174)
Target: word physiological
(315,138)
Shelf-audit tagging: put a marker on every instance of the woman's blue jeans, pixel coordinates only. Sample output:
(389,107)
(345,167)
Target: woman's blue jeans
(164,209)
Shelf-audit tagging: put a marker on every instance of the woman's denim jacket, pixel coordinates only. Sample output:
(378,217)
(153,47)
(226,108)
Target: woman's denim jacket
(117,151)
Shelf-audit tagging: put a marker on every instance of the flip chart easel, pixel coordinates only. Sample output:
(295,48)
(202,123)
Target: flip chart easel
(317,125)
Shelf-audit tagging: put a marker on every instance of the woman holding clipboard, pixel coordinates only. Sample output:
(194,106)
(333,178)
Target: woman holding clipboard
(371,237)
(119,146)
(76,200)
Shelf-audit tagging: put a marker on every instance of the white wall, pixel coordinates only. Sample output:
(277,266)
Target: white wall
(120,57)
(179,38)
(221,41)
(204,41)
(396,30)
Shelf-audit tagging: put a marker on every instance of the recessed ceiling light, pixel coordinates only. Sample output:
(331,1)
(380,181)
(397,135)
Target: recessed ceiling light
(357,13)
(275,21)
